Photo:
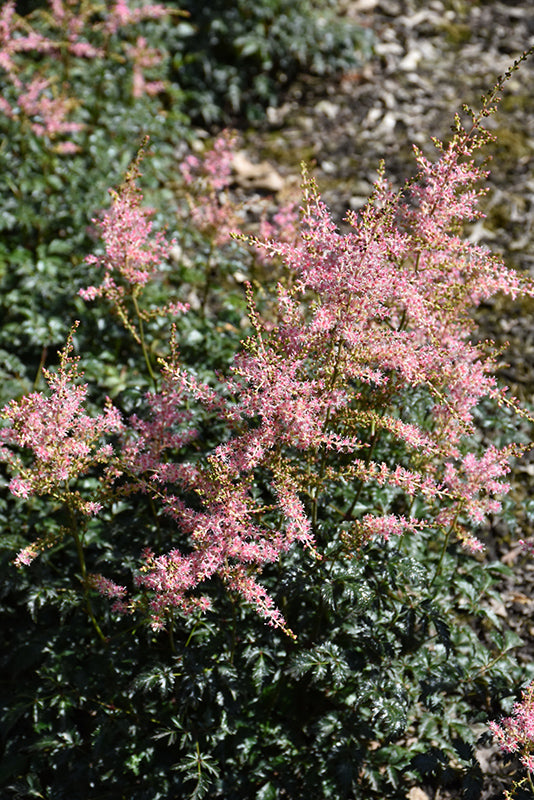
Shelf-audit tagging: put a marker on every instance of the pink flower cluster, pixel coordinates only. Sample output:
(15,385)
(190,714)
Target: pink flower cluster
(144,58)
(383,527)
(63,440)
(133,252)
(113,591)
(224,536)
(121,14)
(148,444)
(527,547)
(208,178)
(283,227)
(515,734)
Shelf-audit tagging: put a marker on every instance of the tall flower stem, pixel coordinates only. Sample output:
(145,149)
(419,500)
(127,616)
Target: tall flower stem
(322,464)
(375,436)
(83,570)
(171,632)
(207,280)
(146,355)
(445,545)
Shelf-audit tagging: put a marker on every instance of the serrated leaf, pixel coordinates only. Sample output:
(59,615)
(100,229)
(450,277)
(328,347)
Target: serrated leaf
(511,641)
(267,792)
(443,632)
(463,749)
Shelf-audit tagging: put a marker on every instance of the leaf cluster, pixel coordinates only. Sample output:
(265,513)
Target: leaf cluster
(389,683)
(241,58)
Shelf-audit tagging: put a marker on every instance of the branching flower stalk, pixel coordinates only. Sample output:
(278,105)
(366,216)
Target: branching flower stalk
(446,542)
(133,256)
(142,340)
(64,443)
(323,457)
(74,529)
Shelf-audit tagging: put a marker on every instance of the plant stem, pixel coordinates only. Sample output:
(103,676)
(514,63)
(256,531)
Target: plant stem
(171,633)
(368,455)
(83,570)
(445,545)
(193,629)
(333,379)
(207,281)
(44,353)
(143,343)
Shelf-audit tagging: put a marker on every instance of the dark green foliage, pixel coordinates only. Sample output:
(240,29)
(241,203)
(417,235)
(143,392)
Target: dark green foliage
(390,682)
(240,57)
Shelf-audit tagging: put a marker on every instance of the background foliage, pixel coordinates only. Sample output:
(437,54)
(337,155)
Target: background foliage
(242,56)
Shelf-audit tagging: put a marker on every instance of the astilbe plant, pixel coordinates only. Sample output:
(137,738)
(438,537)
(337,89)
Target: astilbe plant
(133,256)
(368,317)
(346,426)
(59,443)
(515,734)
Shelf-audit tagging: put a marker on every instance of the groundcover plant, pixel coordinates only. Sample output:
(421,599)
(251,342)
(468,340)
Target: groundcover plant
(269,581)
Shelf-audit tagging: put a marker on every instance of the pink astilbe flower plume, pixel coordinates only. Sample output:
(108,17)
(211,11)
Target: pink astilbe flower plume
(208,178)
(144,57)
(515,734)
(49,440)
(133,254)
(122,14)
(224,536)
(40,88)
